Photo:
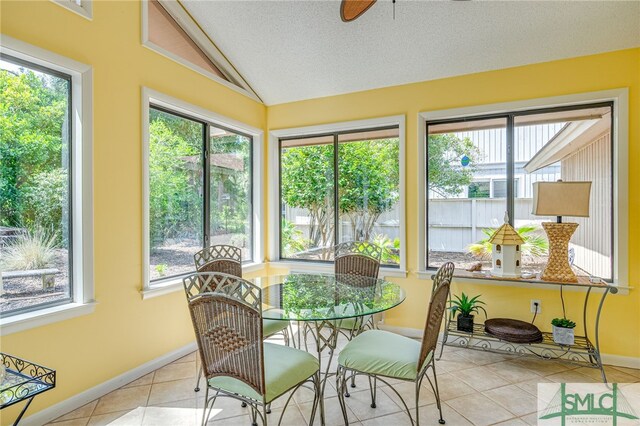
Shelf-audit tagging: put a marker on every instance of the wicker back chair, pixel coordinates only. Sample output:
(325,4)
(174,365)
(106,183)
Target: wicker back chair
(220,258)
(360,258)
(228,324)
(444,273)
(437,306)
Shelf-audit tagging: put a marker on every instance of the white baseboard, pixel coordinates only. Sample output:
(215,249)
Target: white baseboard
(608,359)
(77,401)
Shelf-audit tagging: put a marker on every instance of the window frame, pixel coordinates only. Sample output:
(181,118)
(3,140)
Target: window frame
(80,148)
(153,99)
(616,98)
(274,193)
(84,9)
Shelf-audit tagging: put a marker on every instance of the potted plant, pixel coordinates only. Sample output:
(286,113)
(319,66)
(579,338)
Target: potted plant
(563,333)
(465,306)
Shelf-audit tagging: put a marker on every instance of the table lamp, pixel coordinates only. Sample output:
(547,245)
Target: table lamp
(560,199)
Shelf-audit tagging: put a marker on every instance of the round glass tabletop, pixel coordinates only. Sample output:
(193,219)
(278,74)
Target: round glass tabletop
(317,297)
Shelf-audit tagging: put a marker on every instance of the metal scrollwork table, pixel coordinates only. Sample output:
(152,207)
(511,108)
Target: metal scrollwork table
(584,351)
(23,380)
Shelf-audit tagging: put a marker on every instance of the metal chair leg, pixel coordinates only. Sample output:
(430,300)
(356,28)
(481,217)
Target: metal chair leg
(341,384)
(436,391)
(372,389)
(268,408)
(197,388)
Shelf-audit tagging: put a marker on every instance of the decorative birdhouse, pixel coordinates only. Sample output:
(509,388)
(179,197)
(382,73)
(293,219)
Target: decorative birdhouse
(506,252)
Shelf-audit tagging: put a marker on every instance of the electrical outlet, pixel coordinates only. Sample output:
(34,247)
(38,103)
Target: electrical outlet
(533,306)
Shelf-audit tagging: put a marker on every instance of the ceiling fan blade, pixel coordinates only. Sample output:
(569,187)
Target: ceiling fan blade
(352,9)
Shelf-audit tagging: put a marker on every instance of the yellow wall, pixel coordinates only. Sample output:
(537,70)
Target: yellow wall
(621,318)
(125,331)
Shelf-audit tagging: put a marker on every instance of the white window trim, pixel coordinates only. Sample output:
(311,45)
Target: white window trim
(193,30)
(150,96)
(85,9)
(82,187)
(620,141)
(274,189)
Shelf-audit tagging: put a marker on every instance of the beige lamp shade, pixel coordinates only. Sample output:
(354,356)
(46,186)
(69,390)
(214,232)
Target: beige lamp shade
(561,198)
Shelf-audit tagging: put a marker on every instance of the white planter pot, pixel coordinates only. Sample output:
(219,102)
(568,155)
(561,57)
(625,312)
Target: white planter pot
(563,336)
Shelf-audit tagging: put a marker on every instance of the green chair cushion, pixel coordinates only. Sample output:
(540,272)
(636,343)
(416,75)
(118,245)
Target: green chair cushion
(384,353)
(270,326)
(284,367)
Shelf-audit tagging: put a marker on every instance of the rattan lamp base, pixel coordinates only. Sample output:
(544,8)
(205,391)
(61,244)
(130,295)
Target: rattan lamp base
(558,268)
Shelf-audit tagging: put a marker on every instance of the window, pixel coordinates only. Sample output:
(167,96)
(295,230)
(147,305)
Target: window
(45,187)
(497,158)
(479,190)
(200,190)
(337,187)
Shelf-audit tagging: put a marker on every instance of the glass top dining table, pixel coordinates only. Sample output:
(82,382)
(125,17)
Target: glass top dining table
(325,297)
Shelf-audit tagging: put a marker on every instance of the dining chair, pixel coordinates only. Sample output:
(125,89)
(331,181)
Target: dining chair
(356,259)
(226,312)
(227,259)
(381,355)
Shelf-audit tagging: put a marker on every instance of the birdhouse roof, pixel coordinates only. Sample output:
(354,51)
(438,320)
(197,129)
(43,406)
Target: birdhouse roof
(506,235)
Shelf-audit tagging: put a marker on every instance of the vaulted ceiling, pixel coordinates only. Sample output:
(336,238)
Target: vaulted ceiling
(294,50)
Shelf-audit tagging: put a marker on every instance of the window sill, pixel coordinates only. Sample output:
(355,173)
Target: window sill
(22,322)
(327,268)
(522,283)
(175,284)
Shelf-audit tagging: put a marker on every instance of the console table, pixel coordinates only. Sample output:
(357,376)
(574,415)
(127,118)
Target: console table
(584,351)
(23,380)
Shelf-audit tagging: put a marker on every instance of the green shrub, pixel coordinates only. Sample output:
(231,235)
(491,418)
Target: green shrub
(47,197)
(33,250)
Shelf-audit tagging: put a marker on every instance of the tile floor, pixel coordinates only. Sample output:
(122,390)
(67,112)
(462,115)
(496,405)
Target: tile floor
(477,388)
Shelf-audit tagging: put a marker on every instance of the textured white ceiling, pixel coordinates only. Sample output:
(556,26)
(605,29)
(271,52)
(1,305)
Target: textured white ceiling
(294,50)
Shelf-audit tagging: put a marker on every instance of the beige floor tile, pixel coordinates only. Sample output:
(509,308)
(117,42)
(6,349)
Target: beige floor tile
(292,416)
(224,407)
(147,379)
(176,390)
(182,413)
(613,375)
(429,415)
(543,367)
(360,404)
(480,410)
(512,372)
(187,358)
(450,387)
(408,392)
(512,422)
(514,399)
(82,412)
(119,418)
(396,419)
(569,376)
(453,361)
(332,410)
(182,370)
(231,421)
(71,422)
(480,378)
(482,357)
(633,371)
(531,386)
(531,419)
(123,399)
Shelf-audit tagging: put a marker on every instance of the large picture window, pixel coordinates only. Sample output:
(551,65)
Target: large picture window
(200,191)
(35,187)
(480,167)
(337,187)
